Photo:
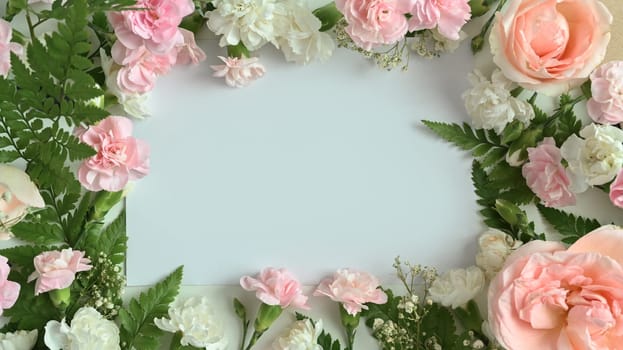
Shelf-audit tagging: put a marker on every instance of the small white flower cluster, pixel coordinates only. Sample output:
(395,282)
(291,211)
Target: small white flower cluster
(287,24)
(430,43)
(491,105)
(106,292)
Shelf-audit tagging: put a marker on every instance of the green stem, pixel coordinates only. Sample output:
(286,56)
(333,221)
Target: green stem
(245,331)
(31,27)
(478,41)
(175,341)
(254,338)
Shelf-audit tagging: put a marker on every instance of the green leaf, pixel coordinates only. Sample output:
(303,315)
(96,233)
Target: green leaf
(137,320)
(485,145)
(112,241)
(22,256)
(39,233)
(440,323)
(571,226)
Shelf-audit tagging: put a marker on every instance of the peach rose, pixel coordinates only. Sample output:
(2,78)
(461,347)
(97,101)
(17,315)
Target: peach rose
(550,46)
(547,297)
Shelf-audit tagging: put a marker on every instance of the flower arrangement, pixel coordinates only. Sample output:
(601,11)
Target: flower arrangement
(66,162)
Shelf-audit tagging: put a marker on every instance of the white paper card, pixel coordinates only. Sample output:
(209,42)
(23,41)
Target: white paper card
(312,168)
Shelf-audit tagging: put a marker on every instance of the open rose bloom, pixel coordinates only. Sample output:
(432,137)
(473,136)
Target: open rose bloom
(547,297)
(17,194)
(550,45)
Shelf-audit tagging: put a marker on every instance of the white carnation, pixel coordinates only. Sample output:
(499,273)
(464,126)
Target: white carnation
(20,340)
(495,247)
(249,21)
(196,320)
(300,37)
(456,287)
(302,335)
(88,330)
(490,103)
(596,158)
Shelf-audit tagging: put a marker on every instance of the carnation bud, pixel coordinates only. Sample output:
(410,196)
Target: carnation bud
(509,212)
(60,297)
(266,315)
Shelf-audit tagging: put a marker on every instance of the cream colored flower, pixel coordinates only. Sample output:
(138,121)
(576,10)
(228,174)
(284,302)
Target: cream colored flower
(88,330)
(456,287)
(596,158)
(249,21)
(490,103)
(17,194)
(495,247)
(301,40)
(302,335)
(196,320)
(20,340)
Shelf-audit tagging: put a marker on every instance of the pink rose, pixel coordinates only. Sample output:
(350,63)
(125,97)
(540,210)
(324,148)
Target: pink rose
(57,270)
(119,159)
(239,72)
(353,289)
(9,290)
(606,105)
(6,47)
(276,287)
(546,176)
(616,190)
(547,297)
(188,52)
(375,22)
(448,16)
(140,68)
(550,45)
(154,26)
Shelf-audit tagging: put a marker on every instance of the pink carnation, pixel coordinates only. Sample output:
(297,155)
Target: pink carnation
(57,270)
(616,190)
(546,176)
(9,290)
(276,287)
(6,47)
(188,52)
(140,68)
(375,22)
(119,159)
(546,297)
(606,105)
(353,289)
(239,72)
(154,26)
(448,16)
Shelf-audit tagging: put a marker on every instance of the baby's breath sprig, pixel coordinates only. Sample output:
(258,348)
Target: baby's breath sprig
(397,55)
